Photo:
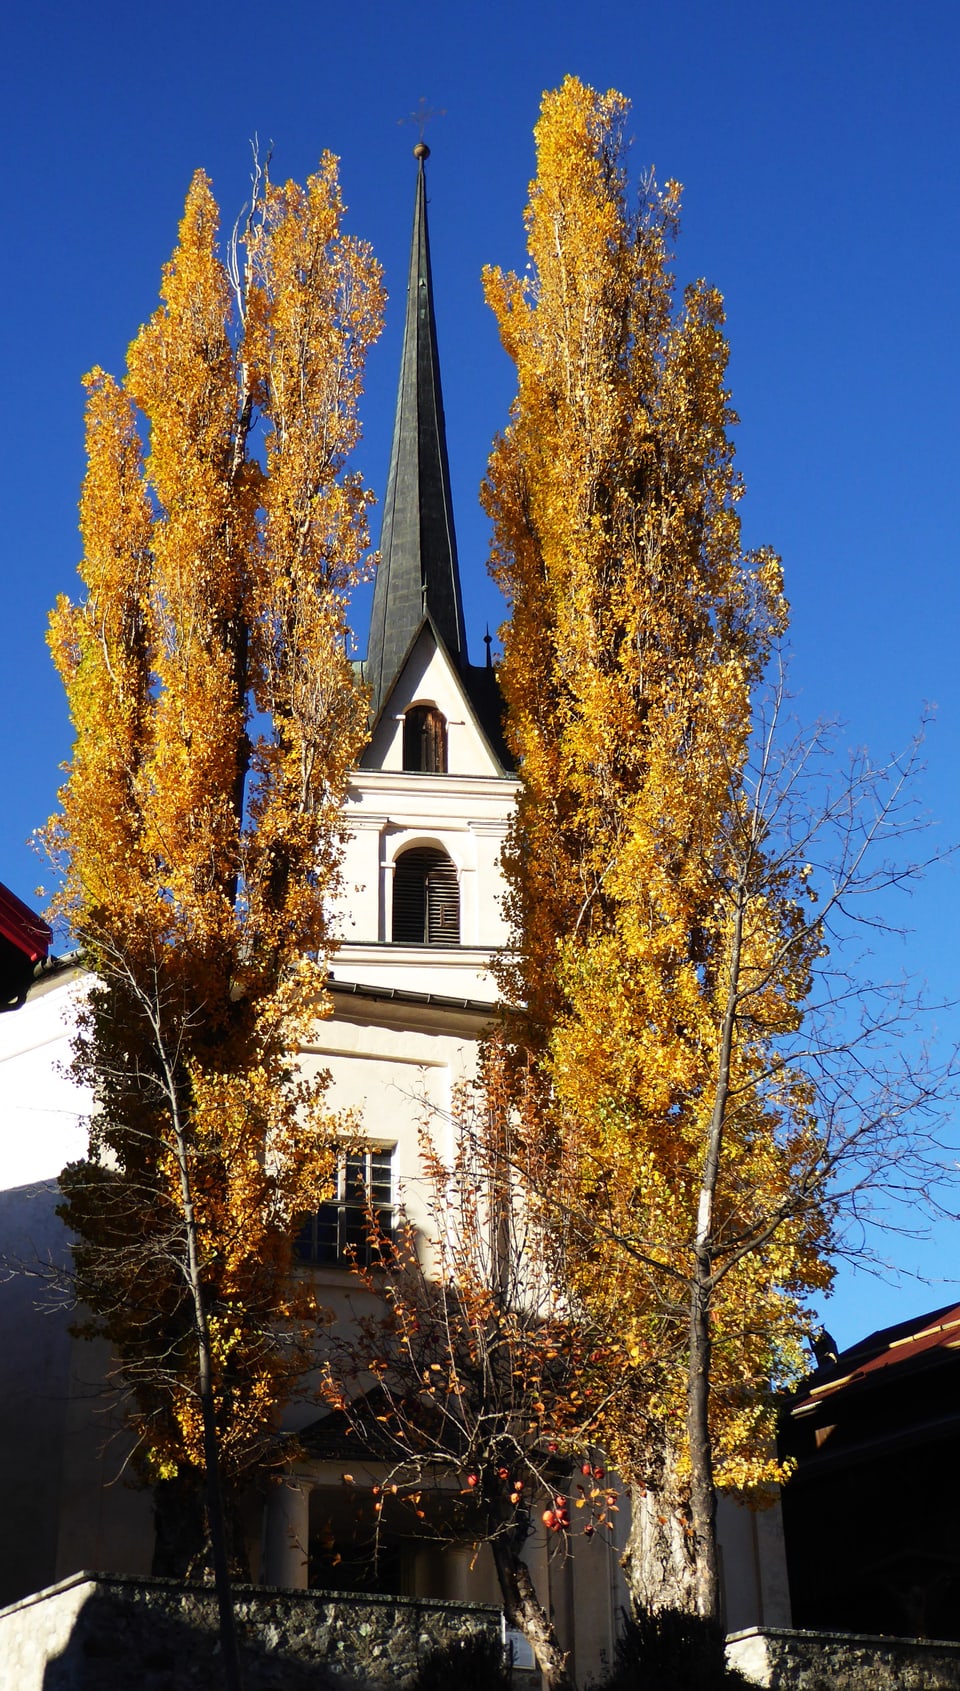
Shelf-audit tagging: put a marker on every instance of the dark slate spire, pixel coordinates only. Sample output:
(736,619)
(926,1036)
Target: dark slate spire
(418,575)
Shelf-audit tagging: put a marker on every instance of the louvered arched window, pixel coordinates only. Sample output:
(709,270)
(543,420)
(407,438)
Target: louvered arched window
(426,898)
(425,740)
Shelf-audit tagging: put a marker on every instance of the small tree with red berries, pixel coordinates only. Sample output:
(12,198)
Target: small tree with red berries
(477,1381)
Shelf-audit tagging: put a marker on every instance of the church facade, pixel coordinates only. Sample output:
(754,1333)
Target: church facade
(412,989)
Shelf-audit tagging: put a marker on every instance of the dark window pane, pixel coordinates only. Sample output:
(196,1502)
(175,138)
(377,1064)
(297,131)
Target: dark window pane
(340,1231)
(355,1232)
(327,1233)
(305,1242)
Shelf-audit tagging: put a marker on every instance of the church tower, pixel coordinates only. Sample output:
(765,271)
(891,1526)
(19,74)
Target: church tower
(428,807)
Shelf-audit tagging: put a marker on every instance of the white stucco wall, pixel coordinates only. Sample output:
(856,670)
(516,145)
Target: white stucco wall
(43,1113)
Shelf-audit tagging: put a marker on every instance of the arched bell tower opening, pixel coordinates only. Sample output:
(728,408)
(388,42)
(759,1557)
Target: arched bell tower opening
(426,898)
(425,740)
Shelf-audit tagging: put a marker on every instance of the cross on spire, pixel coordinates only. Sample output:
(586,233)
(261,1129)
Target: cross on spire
(423,115)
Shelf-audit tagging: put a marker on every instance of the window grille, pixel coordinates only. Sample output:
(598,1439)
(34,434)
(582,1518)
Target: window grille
(339,1232)
(425,740)
(426,898)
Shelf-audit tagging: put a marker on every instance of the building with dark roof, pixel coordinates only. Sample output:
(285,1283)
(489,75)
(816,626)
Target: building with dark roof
(870,1515)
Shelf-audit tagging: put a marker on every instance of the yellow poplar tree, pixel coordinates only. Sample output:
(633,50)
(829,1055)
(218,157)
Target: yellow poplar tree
(215,715)
(655,956)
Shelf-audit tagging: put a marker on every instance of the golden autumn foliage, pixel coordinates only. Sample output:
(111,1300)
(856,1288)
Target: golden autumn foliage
(660,951)
(215,715)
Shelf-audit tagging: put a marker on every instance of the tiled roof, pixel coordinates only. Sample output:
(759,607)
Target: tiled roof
(885,1355)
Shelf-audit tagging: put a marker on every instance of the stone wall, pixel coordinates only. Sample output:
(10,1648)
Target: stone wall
(94,1633)
(843,1661)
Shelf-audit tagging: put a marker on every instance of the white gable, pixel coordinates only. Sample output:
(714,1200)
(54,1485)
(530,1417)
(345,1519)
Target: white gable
(429,678)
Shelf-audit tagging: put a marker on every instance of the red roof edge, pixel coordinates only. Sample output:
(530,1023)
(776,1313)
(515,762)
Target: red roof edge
(891,1348)
(23,927)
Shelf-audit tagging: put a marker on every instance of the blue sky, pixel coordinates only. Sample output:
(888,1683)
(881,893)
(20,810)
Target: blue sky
(818,145)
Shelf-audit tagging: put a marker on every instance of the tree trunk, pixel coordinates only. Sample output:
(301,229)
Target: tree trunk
(211,1454)
(211,1449)
(525,1614)
(703,1496)
(215,1512)
(659,1562)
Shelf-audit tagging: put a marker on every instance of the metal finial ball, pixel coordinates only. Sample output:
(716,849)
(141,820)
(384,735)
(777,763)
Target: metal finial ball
(421,150)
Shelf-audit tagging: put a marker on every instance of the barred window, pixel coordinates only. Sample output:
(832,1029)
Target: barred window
(425,740)
(426,898)
(339,1233)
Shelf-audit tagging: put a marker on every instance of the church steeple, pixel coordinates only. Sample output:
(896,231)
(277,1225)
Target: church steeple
(418,576)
